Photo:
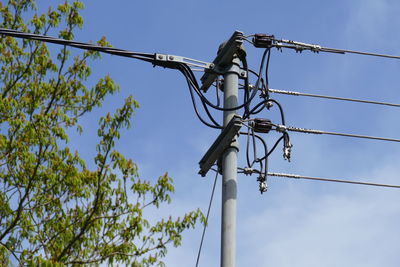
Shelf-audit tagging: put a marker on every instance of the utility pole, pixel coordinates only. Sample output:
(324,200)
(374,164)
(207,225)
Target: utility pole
(226,147)
(229,171)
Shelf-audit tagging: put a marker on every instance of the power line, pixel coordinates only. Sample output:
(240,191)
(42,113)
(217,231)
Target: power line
(299,47)
(268,41)
(296,176)
(332,97)
(167,61)
(208,213)
(80,45)
(334,50)
(281,128)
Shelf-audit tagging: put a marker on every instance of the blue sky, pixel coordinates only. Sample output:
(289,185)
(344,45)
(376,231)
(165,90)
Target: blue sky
(296,223)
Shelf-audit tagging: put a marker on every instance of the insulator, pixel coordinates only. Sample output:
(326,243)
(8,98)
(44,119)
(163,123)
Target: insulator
(262,125)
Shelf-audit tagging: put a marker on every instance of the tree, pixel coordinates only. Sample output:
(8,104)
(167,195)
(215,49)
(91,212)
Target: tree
(54,210)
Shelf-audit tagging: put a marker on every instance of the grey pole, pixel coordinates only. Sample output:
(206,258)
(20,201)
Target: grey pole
(229,172)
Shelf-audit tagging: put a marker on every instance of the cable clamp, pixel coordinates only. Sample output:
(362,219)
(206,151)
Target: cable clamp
(185,60)
(248,171)
(281,128)
(304,130)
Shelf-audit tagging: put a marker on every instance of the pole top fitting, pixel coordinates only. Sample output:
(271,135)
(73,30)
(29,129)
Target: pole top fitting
(226,53)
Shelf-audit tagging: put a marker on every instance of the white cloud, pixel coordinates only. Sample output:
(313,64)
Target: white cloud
(355,227)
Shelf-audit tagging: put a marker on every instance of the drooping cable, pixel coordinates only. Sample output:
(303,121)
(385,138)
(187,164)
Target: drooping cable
(183,69)
(249,162)
(246,95)
(259,78)
(194,86)
(273,148)
(263,168)
(204,98)
(266,75)
(260,106)
(207,216)
(332,97)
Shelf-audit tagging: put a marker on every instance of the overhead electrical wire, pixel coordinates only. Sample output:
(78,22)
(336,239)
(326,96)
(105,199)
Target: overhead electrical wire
(300,46)
(344,51)
(207,216)
(296,176)
(312,131)
(277,91)
(86,46)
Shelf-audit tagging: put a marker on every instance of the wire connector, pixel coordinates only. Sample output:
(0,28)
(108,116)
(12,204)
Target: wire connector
(287,151)
(299,46)
(263,186)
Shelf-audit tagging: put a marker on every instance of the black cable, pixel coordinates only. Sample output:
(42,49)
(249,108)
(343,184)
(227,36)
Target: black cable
(254,146)
(266,157)
(196,88)
(210,116)
(250,164)
(273,148)
(266,153)
(259,79)
(254,110)
(266,74)
(86,46)
(208,213)
(203,98)
(217,88)
(246,86)
(194,102)
(248,148)
(193,82)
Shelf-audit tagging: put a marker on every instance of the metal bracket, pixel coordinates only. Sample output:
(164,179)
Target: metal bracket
(185,60)
(221,71)
(207,66)
(223,141)
(224,58)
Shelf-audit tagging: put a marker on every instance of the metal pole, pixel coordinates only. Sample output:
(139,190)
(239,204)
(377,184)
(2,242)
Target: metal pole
(229,172)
